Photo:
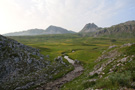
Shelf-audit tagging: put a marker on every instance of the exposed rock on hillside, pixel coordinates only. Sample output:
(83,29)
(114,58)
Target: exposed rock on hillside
(115,67)
(23,67)
(126,29)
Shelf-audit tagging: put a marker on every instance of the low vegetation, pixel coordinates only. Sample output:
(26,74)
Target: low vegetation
(87,50)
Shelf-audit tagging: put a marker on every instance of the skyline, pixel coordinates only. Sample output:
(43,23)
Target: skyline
(19,15)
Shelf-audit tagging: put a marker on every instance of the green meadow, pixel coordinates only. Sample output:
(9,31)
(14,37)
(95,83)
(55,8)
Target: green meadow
(86,50)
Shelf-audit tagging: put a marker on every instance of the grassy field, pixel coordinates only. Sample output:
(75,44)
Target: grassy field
(87,50)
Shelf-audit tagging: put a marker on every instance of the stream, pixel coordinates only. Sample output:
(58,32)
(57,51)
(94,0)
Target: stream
(69,60)
(56,84)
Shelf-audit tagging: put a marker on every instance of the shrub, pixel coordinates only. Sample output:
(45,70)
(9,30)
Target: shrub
(130,50)
(113,40)
(89,84)
(122,79)
(95,75)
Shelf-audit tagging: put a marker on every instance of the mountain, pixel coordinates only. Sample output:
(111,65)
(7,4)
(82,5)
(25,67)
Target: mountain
(27,33)
(56,30)
(50,30)
(126,29)
(90,27)
(23,67)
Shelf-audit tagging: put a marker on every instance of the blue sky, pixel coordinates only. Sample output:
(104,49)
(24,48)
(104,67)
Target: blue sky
(19,15)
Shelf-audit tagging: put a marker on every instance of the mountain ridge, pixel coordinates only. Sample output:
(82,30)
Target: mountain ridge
(125,29)
(50,30)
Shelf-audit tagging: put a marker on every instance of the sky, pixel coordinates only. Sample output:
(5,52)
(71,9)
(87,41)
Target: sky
(19,15)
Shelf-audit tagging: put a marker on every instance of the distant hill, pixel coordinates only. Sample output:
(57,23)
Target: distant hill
(28,32)
(56,30)
(126,29)
(90,27)
(50,30)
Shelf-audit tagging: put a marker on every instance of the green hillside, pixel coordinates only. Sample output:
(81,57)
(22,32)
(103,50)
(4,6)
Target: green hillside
(87,50)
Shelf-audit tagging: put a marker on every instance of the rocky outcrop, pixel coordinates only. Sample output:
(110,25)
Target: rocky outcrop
(23,67)
(116,60)
(57,84)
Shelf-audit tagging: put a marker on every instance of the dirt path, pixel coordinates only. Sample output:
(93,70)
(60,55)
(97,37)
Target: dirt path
(55,85)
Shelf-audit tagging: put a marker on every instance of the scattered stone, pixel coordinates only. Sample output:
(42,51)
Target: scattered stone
(125,45)
(92,80)
(73,51)
(112,47)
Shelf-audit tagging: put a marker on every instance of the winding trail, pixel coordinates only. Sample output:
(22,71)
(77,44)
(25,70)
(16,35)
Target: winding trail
(55,85)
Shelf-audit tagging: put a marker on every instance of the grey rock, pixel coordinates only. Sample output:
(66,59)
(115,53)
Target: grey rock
(29,61)
(112,46)
(16,60)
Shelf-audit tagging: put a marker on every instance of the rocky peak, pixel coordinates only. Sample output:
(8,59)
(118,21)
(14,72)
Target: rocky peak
(90,27)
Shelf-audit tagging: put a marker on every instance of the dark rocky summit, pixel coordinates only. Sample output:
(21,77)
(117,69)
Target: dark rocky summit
(23,67)
(90,27)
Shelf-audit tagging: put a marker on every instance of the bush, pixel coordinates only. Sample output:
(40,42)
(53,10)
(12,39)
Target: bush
(122,79)
(89,84)
(95,75)
(113,40)
(130,50)
(133,76)
(104,84)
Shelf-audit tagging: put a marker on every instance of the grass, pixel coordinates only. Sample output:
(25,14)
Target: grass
(87,50)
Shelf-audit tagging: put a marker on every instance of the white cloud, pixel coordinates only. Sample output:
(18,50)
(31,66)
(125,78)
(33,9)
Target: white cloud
(16,15)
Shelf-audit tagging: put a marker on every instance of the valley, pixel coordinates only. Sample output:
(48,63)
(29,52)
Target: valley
(67,44)
(94,58)
(84,49)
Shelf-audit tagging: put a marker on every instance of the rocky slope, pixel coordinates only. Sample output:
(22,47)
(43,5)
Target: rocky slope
(115,69)
(126,29)
(23,67)
(90,27)
(57,84)
(50,30)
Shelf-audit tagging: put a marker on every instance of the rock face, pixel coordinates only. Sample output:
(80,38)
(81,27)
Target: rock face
(50,30)
(22,67)
(126,29)
(90,27)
